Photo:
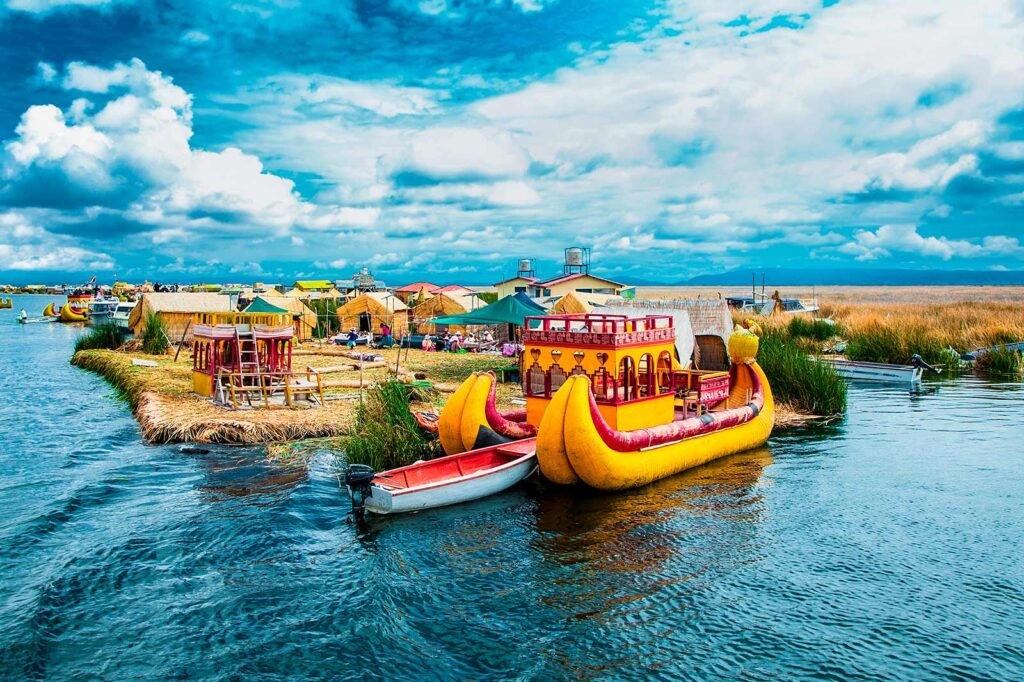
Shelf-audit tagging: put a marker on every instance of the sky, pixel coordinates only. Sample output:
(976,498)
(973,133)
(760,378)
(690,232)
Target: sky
(271,140)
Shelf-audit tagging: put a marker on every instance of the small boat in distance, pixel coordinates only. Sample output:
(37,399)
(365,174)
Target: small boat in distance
(443,481)
(122,313)
(102,310)
(878,371)
(6,303)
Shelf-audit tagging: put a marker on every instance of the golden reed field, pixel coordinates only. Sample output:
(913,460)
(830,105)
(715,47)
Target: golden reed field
(887,324)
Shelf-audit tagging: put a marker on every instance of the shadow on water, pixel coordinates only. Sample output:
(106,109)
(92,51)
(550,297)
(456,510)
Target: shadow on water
(244,473)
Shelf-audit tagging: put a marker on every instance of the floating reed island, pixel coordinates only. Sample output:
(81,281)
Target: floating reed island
(160,393)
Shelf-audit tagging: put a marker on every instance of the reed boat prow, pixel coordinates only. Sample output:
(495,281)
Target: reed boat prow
(471,420)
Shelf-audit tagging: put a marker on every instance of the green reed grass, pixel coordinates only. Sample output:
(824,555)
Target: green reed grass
(810,328)
(154,338)
(795,379)
(886,343)
(102,336)
(1000,361)
(327,323)
(385,434)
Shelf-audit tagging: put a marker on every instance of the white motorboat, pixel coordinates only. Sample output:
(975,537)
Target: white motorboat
(442,481)
(875,371)
(102,310)
(122,312)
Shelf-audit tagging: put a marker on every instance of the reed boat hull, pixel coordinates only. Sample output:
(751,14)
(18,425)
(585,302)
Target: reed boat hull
(440,482)
(50,311)
(470,419)
(69,314)
(575,445)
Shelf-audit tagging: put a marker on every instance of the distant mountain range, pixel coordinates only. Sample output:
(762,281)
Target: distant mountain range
(859,277)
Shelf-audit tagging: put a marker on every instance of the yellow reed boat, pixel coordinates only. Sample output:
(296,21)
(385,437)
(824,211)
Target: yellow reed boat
(612,405)
(69,314)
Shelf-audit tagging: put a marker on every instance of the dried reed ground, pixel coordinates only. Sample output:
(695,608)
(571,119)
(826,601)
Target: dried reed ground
(169,412)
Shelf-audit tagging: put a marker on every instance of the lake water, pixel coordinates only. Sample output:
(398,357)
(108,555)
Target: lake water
(887,546)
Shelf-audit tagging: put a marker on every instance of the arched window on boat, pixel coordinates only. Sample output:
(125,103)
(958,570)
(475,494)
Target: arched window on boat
(603,386)
(645,376)
(536,380)
(557,377)
(627,379)
(664,372)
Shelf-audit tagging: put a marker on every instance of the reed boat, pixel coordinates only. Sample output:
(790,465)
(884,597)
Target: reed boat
(575,444)
(470,419)
(6,303)
(441,482)
(50,311)
(612,405)
(71,314)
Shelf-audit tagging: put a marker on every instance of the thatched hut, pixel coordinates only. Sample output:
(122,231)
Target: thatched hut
(570,304)
(368,310)
(304,317)
(175,310)
(440,305)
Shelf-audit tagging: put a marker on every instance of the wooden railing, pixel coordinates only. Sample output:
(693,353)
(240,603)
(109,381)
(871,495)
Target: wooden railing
(267,319)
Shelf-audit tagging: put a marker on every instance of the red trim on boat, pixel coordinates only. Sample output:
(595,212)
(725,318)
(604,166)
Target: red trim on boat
(503,425)
(631,441)
(516,452)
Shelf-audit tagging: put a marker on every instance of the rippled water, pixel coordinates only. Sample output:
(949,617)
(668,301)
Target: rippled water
(888,546)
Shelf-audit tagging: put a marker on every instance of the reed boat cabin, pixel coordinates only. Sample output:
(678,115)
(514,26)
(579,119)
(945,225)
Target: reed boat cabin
(635,374)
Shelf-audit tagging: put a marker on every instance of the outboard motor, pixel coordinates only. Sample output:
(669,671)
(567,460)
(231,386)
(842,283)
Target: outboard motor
(918,361)
(358,478)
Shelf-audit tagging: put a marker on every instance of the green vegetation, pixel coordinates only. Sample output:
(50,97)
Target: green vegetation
(326,309)
(103,336)
(1000,361)
(805,385)
(385,434)
(810,328)
(896,345)
(488,297)
(154,338)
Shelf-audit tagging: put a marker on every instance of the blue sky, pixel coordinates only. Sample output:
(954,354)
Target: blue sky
(442,139)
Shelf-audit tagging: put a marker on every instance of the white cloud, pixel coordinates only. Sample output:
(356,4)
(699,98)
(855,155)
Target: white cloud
(888,239)
(132,150)
(463,153)
(194,37)
(43,6)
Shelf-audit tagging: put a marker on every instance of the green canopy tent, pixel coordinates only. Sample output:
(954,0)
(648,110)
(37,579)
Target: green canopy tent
(261,306)
(508,310)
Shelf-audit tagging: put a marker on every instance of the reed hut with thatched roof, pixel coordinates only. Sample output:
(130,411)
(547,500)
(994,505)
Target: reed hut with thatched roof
(303,316)
(570,304)
(369,309)
(175,310)
(440,305)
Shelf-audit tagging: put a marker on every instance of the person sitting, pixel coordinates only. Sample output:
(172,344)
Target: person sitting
(446,341)
(386,341)
(350,340)
(428,343)
(488,336)
(455,344)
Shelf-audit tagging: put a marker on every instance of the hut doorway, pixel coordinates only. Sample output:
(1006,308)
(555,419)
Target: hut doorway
(365,322)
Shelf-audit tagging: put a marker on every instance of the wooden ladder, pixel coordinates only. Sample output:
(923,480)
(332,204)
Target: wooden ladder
(249,375)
